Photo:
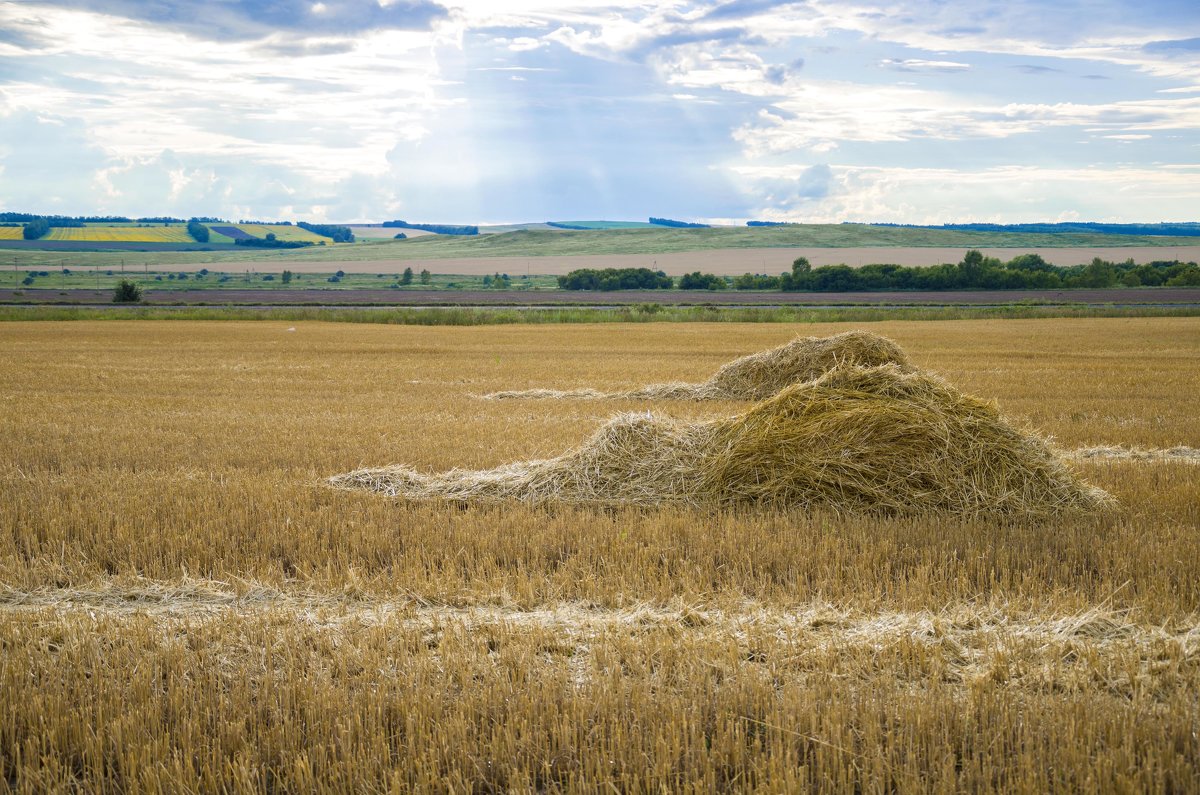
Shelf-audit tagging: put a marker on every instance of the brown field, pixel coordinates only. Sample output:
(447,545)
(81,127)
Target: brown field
(185,606)
(723,262)
(383,232)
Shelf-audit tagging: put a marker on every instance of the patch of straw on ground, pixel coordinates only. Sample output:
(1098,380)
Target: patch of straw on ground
(1181,454)
(753,377)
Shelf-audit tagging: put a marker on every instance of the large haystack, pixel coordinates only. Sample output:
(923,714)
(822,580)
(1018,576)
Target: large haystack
(871,439)
(754,377)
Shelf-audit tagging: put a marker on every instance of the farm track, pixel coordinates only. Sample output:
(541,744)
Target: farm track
(1157,296)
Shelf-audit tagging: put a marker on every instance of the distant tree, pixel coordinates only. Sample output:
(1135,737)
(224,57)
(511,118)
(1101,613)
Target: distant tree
(399,236)
(287,277)
(36,229)
(426,277)
(971,268)
(198,231)
(407,277)
(127,292)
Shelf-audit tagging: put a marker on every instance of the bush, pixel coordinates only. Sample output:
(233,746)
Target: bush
(701,281)
(127,292)
(407,278)
(287,277)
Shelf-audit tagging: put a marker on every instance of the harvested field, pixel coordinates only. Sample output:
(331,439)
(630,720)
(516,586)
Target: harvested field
(384,232)
(185,606)
(755,376)
(12,233)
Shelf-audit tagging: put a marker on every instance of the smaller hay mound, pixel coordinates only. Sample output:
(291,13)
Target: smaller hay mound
(857,439)
(754,377)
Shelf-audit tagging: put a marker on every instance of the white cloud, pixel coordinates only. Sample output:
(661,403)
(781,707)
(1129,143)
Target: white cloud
(922,65)
(1007,194)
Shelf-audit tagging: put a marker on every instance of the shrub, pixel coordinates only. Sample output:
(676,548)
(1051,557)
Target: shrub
(127,292)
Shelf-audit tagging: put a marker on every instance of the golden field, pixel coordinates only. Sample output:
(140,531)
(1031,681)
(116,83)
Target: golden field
(186,606)
(12,233)
(125,233)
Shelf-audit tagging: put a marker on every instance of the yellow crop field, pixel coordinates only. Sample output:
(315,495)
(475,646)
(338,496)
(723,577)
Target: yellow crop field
(284,232)
(11,233)
(187,605)
(122,234)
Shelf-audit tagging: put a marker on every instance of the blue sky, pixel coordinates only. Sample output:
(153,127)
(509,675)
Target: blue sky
(527,110)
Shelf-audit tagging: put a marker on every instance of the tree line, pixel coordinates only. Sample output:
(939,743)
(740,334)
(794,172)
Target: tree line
(615,279)
(440,229)
(974,272)
(339,233)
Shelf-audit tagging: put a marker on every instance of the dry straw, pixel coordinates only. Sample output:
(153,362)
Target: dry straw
(858,439)
(754,377)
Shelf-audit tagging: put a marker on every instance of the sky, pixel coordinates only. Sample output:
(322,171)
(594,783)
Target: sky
(474,111)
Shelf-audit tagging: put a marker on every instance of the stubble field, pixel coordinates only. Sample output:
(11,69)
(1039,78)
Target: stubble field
(185,606)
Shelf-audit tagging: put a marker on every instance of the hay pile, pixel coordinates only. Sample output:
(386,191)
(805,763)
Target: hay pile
(752,377)
(857,439)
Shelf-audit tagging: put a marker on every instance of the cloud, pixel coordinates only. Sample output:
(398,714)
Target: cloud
(778,75)
(1035,69)
(790,192)
(252,19)
(921,65)
(1003,194)
(47,161)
